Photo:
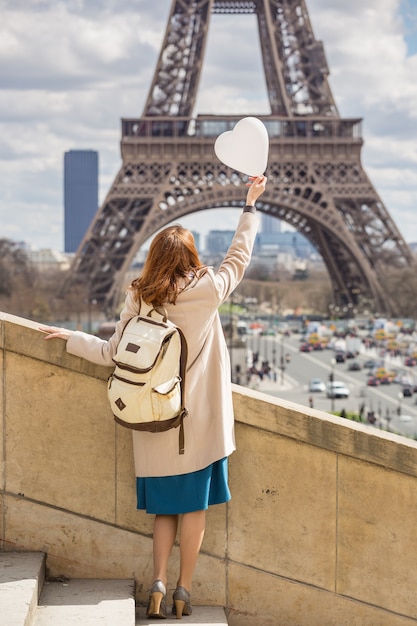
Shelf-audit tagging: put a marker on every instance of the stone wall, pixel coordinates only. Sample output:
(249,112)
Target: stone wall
(320,529)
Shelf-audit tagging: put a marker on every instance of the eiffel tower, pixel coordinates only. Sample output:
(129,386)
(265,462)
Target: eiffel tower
(316,182)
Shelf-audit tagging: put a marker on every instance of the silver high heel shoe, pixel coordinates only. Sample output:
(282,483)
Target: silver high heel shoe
(182,605)
(157,601)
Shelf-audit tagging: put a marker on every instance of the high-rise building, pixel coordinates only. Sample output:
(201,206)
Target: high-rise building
(80,195)
(218,241)
(270,224)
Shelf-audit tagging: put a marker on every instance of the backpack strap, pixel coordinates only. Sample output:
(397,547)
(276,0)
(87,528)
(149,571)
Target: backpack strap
(183,371)
(160,310)
(164,315)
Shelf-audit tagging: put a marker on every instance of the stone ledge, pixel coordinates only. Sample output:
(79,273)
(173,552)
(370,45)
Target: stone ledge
(326,431)
(23,336)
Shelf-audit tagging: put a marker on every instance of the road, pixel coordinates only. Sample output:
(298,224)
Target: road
(292,383)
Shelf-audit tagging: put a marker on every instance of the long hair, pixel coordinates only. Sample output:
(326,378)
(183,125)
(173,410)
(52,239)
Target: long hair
(171,263)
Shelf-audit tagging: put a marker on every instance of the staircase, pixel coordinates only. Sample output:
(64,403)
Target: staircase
(28,599)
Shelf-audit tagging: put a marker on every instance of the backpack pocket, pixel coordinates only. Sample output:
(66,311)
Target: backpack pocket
(128,400)
(138,406)
(166,399)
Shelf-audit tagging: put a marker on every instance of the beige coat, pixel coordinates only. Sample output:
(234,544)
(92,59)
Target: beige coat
(209,427)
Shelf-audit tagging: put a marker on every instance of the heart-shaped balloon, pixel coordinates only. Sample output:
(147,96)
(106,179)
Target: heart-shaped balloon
(245,148)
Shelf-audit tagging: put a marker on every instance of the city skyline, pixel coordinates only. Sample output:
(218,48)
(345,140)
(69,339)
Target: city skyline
(66,84)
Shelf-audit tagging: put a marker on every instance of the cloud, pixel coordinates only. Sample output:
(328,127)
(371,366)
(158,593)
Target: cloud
(59,50)
(70,69)
(373,77)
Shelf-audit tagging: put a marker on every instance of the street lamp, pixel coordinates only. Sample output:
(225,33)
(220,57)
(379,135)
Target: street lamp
(400,399)
(281,359)
(388,418)
(331,379)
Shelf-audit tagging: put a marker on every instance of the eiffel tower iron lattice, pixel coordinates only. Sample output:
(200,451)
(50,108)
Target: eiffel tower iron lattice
(316,182)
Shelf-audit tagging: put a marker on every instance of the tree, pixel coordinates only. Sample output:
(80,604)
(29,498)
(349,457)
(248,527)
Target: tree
(401,284)
(15,270)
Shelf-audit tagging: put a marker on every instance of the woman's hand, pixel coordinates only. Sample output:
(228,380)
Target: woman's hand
(52,332)
(256,188)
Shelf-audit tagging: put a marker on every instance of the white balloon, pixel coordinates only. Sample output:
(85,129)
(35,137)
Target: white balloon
(245,148)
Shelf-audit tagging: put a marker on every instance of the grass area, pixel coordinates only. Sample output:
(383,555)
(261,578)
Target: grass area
(355,417)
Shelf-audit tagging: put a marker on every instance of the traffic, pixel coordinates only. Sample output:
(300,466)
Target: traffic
(366,373)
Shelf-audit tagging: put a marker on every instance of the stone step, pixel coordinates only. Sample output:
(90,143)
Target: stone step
(86,602)
(202,615)
(21,579)
(26,599)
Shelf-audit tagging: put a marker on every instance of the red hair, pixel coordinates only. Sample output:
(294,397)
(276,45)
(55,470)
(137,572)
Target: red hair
(171,263)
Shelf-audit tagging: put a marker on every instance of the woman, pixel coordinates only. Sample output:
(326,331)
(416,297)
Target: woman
(169,484)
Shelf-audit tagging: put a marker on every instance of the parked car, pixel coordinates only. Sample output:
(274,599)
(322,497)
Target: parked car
(385,376)
(319,345)
(337,389)
(407,391)
(373,381)
(351,355)
(306,347)
(402,379)
(385,380)
(316,384)
(410,361)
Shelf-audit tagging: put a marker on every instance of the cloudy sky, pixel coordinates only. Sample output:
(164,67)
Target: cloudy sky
(70,69)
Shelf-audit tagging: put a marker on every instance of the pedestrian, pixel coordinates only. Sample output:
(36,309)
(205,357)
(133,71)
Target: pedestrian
(178,489)
(311,402)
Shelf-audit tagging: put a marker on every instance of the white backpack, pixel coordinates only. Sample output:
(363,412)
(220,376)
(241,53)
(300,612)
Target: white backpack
(146,388)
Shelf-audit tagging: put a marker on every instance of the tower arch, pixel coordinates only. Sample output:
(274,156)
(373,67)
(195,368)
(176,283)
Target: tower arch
(316,179)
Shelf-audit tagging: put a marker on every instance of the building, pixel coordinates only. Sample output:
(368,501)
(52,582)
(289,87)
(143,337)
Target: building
(218,241)
(46,260)
(270,224)
(197,239)
(80,195)
(289,242)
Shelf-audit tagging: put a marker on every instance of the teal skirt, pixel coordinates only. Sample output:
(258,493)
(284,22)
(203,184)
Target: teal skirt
(172,495)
